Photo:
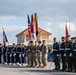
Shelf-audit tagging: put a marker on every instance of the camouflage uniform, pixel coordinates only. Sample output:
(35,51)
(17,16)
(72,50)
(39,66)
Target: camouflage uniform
(28,54)
(35,59)
(32,55)
(44,54)
(39,55)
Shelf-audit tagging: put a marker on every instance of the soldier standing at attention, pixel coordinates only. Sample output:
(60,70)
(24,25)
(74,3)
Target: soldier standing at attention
(28,54)
(71,58)
(14,52)
(68,53)
(0,52)
(18,56)
(31,53)
(35,59)
(23,53)
(44,48)
(56,54)
(63,53)
(8,54)
(39,54)
(74,54)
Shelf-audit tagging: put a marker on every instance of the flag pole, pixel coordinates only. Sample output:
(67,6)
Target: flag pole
(2,35)
(69,26)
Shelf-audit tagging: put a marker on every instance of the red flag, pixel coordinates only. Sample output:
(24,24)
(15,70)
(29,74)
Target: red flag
(36,20)
(66,29)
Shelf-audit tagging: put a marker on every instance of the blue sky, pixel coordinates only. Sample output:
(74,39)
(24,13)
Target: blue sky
(52,15)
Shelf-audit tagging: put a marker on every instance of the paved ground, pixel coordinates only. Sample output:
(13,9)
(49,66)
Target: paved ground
(23,70)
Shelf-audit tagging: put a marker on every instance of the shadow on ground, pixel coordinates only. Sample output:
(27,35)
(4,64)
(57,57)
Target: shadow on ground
(12,66)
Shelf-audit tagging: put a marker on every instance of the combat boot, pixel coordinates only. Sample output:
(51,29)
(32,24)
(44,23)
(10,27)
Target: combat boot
(44,66)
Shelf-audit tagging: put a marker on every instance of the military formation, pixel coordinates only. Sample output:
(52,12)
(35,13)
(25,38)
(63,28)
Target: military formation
(65,52)
(34,54)
(37,54)
(12,54)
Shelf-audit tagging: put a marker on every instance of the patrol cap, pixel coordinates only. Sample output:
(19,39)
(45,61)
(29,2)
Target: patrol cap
(44,41)
(68,36)
(72,37)
(31,41)
(63,37)
(54,38)
(39,41)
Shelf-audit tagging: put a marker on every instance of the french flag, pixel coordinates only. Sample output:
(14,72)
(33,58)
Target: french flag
(4,38)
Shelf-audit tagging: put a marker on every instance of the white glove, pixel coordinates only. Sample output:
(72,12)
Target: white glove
(38,50)
(57,55)
(23,55)
(70,54)
(65,55)
(14,54)
(10,55)
(19,55)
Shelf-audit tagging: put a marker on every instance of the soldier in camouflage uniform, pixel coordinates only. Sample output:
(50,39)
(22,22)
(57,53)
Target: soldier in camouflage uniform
(44,48)
(35,59)
(32,53)
(28,54)
(39,54)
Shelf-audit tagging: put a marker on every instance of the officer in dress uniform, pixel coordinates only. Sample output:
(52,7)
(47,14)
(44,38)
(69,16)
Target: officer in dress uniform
(11,51)
(74,54)
(56,54)
(68,53)
(0,52)
(63,52)
(5,54)
(18,56)
(71,58)
(2,55)
(23,54)
(14,52)
(39,54)
(44,49)
(8,54)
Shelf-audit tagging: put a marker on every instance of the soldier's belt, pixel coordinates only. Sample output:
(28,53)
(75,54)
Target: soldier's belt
(74,49)
(8,52)
(67,48)
(62,49)
(55,50)
(18,52)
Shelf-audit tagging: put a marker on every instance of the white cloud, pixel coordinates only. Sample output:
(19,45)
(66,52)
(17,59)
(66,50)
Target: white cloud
(70,26)
(11,31)
(6,18)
